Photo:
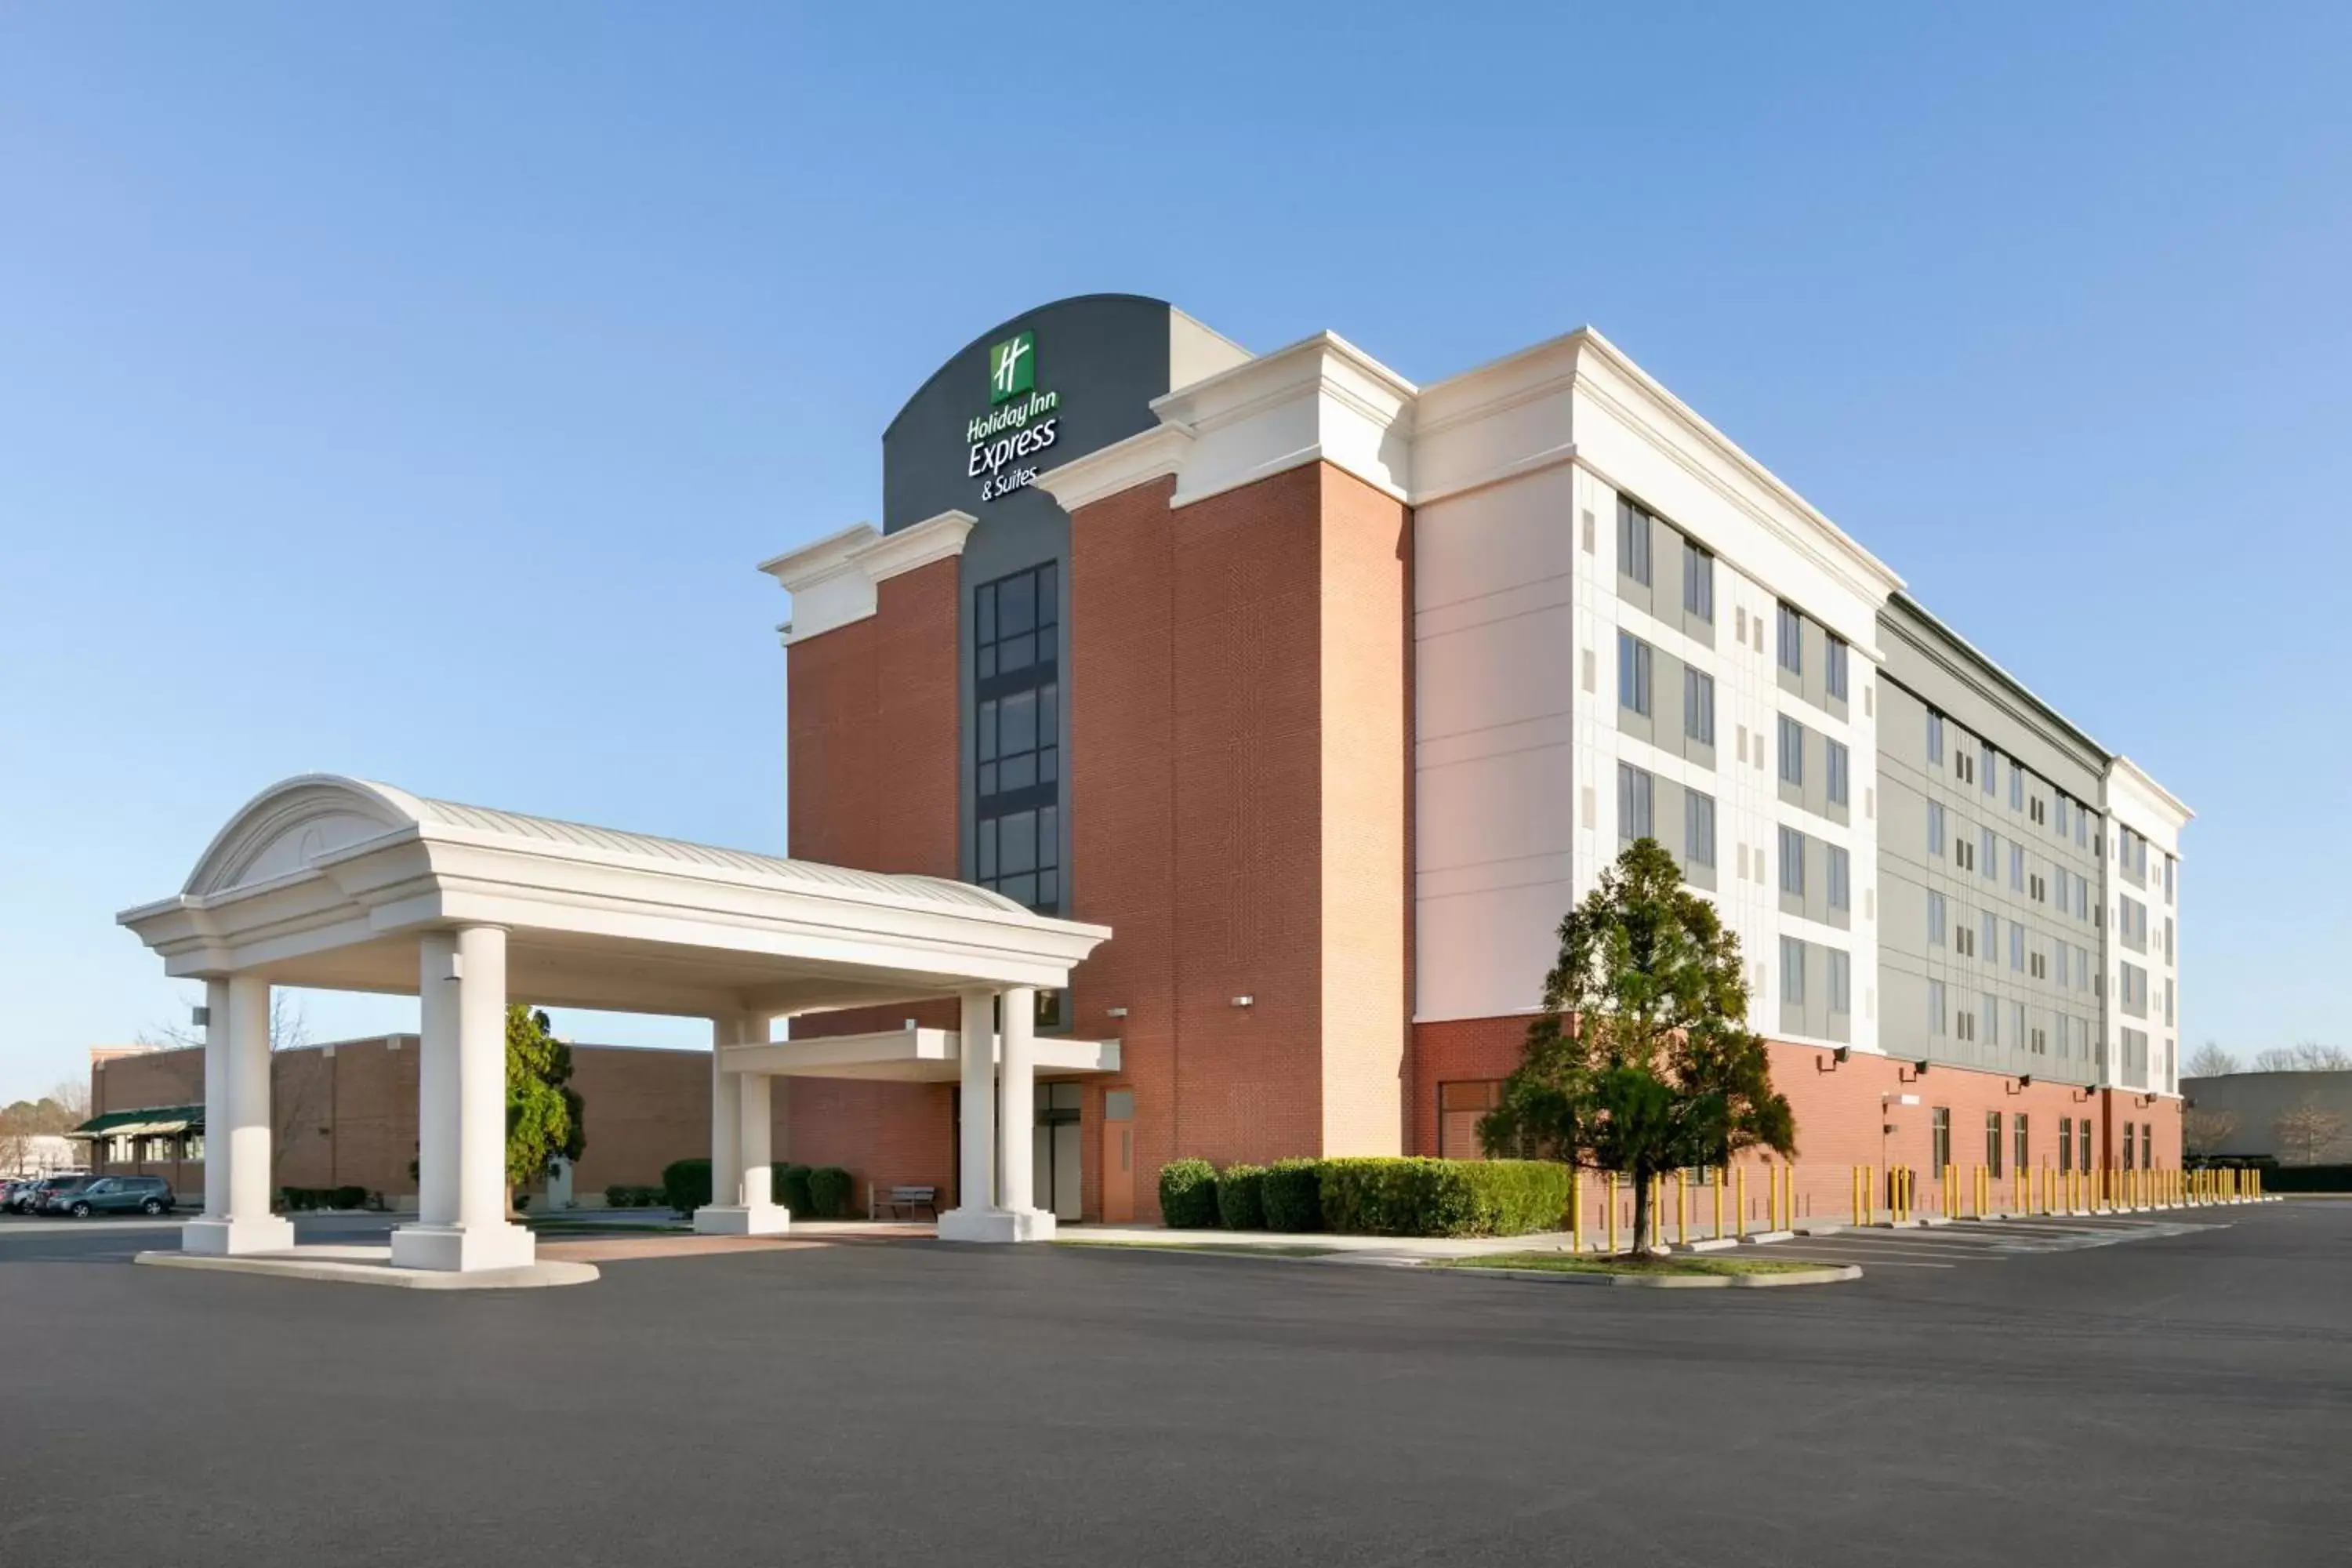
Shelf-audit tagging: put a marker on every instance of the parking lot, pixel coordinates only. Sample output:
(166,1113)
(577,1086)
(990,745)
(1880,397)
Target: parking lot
(2160,1391)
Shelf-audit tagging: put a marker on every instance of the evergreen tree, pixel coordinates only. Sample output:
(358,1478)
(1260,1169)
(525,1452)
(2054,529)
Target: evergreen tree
(1642,1061)
(544,1115)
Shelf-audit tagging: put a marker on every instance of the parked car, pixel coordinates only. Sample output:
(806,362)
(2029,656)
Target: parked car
(111,1195)
(28,1197)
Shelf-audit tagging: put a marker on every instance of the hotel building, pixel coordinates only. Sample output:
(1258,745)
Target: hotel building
(1330,693)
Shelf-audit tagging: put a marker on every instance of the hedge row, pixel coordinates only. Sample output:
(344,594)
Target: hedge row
(304,1198)
(632,1197)
(819,1193)
(1368,1196)
(2308,1179)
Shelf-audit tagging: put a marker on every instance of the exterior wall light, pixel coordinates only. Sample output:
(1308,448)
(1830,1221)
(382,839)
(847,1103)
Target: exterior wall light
(1115,1012)
(1245,1001)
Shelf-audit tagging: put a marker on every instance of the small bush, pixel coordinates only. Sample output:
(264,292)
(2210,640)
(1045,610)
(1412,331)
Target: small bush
(1240,1197)
(620,1197)
(349,1197)
(789,1188)
(1188,1194)
(2306,1179)
(296,1199)
(686,1185)
(1292,1195)
(1443,1197)
(828,1188)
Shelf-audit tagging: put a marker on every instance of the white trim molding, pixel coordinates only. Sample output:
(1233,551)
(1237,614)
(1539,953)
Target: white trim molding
(833,581)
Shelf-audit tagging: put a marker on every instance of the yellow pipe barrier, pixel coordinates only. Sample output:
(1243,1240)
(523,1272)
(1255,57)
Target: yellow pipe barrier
(1722,1176)
(1613,1214)
(1575,1210)
(1743,1202)
(1681,1209)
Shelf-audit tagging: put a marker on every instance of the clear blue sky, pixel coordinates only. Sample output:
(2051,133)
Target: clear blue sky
(408,390)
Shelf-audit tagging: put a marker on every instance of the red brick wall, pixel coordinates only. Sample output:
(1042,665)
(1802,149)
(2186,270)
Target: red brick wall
(873,728)
(1839,1110)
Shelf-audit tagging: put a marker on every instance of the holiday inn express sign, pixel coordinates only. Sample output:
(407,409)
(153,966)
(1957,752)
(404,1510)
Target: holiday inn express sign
(1050,384)
(1021,421)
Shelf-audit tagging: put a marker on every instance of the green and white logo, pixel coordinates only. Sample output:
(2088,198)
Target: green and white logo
(1012,368)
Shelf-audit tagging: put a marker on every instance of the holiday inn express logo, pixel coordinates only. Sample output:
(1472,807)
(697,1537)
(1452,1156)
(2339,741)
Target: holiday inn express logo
(1011,367)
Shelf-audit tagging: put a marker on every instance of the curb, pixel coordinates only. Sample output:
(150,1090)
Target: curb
(532,1276)
(1835,1275)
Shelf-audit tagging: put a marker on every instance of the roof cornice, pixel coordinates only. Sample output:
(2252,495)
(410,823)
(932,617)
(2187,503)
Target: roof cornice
(833,580)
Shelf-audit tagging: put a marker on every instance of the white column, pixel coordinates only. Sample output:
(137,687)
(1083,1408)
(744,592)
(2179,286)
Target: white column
(742,1196)
(480,1236)
(436,1079)
(978,1215)
(242,1135)
(217,1112)
(1016,1081)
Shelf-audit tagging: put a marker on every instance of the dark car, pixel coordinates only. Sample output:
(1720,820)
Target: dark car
(111,1195)
(29,1197)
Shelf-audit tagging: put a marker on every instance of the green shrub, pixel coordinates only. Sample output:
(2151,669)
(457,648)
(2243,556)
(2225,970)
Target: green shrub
(789,1187)
(1443,1197)
(686,1185)
(1292,1195)
(2306,1179)
(349,1197)
(828,1189)
(1188,1194)
(1239,1204)
(295,1199)
(620,1197)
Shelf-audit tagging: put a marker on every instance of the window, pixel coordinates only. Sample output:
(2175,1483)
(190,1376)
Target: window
(1634,793)
(1633,542)
(2036,888)
(1792,862)
(2016,945)
(2081,969)
(2059,949)
(1698,828)
(1989,764)
(2017,868)
(1792,750)
(1842,880)
(2135,990)
(2039,1042)
(1964,1025)
(2168,939)
(1460,1109)
(1935,737)
(1988,853)
(2129,1150)
(2016,787)
(2082,1143)
(1936,1008)
(2168,882)
(1841,976)
(1834,668)
(2037,809)
(1964,766)
(1698,582)
(1964,854)
(1935,919)
(1838,767)
(1991,1019)
(1017,736)
(1792,971)
(2065,1143)
(1632,674)
(2037,965)
(1792,640)
(2058,815)
(1698,706)
(1992,1143)
(1964,939)
(2083,828)
(1939,1136)
(2017,1023)
(1936,828)
(2023,1148)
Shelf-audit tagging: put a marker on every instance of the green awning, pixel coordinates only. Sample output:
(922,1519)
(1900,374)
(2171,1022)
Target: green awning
(148,1120)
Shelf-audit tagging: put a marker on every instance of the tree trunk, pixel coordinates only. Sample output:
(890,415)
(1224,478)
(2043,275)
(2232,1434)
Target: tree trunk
(1642,1179)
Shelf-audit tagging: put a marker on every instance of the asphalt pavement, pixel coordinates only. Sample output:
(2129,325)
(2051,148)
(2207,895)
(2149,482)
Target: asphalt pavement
(2166,1393)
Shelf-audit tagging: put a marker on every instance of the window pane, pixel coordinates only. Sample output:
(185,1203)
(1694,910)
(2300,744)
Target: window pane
(1016,653)
(1048,598)
(988,849)
(1017,723)
(1017,842)
(1016,607)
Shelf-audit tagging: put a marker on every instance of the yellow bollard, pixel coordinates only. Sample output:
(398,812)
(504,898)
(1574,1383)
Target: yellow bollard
(1743,1202)
(1951,1191)
(1575,1210)
(1681,1209)
(1722,1177)
(1613,1214)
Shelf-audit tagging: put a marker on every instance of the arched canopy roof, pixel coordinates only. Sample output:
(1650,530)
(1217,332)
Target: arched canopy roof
(326,880)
